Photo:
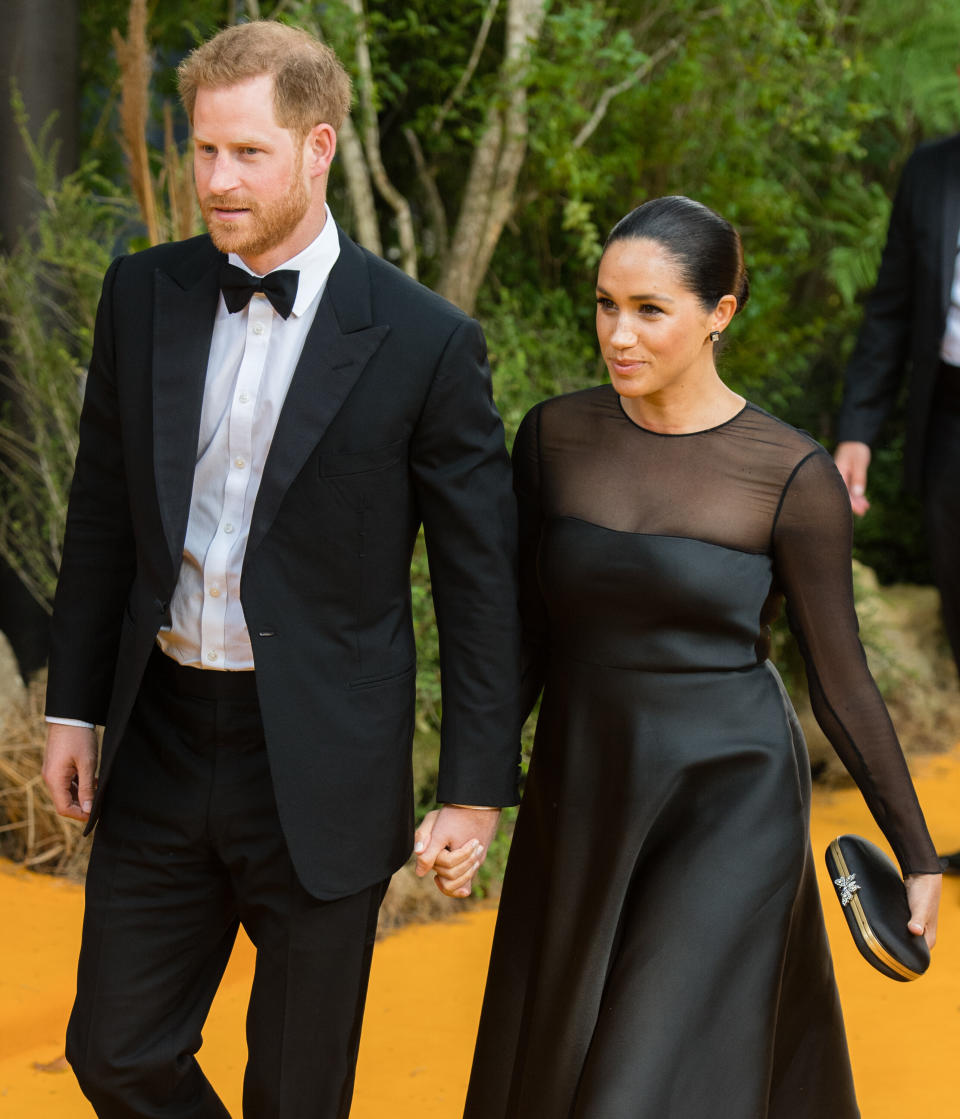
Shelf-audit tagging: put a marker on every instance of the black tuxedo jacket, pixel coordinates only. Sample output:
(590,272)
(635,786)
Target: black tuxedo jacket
(906,313)
(389,422)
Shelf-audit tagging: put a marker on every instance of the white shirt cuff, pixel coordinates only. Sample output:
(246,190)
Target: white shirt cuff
(69,722)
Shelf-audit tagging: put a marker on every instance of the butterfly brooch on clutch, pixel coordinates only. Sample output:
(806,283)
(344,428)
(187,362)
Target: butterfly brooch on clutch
(848,887)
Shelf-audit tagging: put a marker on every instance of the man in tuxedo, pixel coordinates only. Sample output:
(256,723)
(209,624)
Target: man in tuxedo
(911,332)
(270,414)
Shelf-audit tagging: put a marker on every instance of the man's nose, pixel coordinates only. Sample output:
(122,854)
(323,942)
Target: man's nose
(223,175)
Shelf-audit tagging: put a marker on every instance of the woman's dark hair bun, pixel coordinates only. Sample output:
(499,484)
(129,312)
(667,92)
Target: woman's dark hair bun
(705,245)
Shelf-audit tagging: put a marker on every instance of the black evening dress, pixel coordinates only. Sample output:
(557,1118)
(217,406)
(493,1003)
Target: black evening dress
(660,950)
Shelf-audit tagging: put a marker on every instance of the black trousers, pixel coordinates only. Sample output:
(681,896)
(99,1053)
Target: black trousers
(941,499)
(189,846)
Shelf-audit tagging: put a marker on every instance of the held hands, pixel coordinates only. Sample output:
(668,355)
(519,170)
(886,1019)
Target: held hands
(853,461)
(69,769)
(452,842)
(923,897)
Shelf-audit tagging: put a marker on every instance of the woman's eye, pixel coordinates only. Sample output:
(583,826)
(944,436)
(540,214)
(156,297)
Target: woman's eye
(649,309)
(605,303)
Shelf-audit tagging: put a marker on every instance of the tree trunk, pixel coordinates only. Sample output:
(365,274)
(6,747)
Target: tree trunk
(38,49)
(497,161)
(370,135)
(359,188)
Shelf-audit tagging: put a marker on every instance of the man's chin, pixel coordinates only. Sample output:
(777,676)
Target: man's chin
(229,236)
(231,240)
(225,240)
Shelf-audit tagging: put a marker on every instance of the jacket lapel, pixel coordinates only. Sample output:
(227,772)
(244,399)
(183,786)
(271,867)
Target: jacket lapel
(951,221)
(185,305)
(341,341)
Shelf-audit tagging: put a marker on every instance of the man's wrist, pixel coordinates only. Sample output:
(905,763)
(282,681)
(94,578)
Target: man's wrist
(474,807)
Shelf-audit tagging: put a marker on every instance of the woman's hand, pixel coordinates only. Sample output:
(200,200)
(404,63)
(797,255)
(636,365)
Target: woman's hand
(454,871)
(923,897)
(452,842)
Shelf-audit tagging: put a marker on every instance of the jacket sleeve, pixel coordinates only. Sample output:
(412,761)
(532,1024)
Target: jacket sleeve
(463,484)
(98,560)
(876,369)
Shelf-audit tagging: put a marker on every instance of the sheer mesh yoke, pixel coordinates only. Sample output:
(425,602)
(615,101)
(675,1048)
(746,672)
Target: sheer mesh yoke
(753,486)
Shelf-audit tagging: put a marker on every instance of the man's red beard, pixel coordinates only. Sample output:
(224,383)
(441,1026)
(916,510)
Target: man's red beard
(263,227)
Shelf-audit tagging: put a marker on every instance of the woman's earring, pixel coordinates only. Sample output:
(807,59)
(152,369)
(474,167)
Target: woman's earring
(714,335)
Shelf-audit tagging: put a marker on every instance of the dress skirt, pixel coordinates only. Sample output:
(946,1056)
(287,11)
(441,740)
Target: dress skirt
(660,950)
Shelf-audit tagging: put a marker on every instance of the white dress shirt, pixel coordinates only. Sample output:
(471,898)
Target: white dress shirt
(950,347)
(253,355)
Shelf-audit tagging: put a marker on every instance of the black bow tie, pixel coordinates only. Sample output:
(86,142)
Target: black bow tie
(238,287)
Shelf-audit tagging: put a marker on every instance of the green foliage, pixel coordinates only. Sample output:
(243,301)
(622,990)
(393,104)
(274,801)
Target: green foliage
(540,344)
(890,538)
(858,228)
(428,649)
(911,48)
(48,290)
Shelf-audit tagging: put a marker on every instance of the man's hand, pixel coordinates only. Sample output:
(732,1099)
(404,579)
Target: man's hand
(853,461)
(453,842)
(69,769)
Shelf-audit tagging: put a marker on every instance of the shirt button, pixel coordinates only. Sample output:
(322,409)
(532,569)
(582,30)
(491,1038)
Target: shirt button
(244,398)
(214,592)
(239,463)
(211,656)
(228,528)
(258,328)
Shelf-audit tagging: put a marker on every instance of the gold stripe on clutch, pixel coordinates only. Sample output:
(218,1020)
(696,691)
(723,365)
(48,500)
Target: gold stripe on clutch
(863,924)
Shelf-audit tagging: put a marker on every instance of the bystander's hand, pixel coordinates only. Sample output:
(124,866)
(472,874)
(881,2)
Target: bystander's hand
(853,462)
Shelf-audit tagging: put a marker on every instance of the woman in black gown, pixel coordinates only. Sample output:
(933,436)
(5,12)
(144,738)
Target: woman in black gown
(660,950)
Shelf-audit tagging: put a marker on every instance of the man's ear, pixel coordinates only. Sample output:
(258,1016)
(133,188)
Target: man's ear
(319,149)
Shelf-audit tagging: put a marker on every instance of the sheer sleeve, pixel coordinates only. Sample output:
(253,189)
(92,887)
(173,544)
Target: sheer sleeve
(526,483)
(811,549)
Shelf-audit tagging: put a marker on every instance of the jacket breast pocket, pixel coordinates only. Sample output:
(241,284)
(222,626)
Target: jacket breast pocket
(361,462)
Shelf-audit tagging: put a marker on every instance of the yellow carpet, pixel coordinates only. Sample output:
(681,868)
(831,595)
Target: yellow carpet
(427,983)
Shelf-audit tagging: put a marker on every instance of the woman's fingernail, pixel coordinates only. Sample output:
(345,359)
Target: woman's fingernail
(419,846)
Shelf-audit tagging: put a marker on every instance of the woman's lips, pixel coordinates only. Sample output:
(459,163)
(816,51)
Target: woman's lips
(622,365)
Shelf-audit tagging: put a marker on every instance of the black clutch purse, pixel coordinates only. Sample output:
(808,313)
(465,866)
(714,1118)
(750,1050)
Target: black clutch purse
(874,902)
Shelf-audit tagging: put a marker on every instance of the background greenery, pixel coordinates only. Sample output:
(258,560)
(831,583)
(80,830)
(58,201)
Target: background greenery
(790,117)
